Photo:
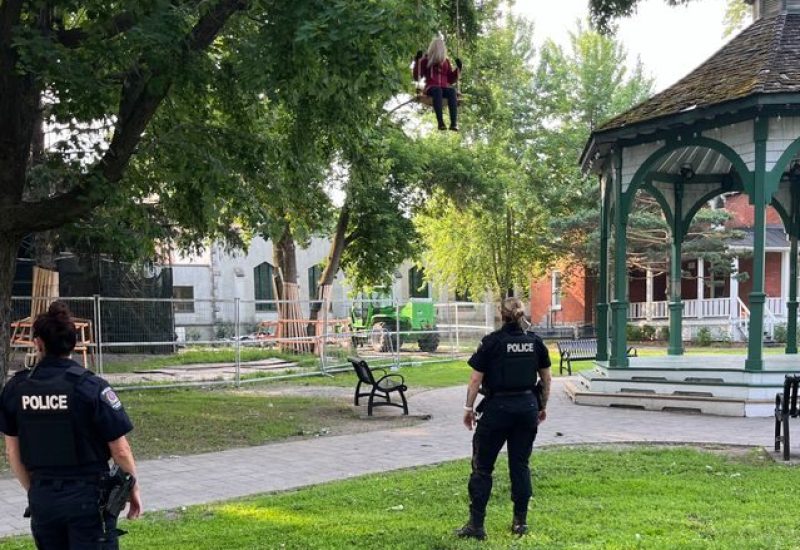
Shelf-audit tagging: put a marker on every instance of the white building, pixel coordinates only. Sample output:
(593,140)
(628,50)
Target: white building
(211,282)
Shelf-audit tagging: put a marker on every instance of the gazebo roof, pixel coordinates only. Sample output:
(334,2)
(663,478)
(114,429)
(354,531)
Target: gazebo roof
(762,59)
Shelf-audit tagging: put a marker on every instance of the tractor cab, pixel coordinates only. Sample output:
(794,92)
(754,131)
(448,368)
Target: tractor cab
(376,320)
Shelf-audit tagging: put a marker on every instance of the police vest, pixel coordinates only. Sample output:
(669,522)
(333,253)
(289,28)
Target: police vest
(49,434)
(517,366)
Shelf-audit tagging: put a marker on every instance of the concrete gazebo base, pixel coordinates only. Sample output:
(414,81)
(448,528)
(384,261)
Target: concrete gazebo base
(711,384)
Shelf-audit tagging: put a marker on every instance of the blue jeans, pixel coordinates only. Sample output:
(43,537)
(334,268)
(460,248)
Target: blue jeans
(452,104)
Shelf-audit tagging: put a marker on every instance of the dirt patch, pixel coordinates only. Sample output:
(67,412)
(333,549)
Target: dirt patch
(384,418)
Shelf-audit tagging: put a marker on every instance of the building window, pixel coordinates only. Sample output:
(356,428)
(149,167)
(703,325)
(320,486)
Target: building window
(262,279)
(183,293)
(417,286)
(555,300)
(314,275)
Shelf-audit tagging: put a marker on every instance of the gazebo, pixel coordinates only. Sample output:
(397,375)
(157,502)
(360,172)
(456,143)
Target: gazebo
(733,124)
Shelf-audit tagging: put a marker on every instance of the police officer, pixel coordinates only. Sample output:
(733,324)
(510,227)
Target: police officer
(62,424)
(505,368)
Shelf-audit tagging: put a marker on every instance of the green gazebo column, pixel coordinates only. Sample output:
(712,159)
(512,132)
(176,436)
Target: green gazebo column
(602,293)
(791,304)
(759,199)
(619,306)
(675,346)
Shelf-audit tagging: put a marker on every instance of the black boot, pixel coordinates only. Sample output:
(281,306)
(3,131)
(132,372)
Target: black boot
(519,525)
(471,531)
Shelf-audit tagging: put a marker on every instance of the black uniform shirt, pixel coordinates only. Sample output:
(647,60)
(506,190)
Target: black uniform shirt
(98,410)
(489,350)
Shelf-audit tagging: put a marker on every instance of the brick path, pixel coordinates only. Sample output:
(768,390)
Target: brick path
(173,482)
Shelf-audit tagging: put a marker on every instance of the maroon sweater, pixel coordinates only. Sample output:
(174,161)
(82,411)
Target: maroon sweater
(436,76)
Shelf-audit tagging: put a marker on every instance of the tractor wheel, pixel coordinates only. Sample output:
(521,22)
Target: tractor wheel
(380,338)
(429,342)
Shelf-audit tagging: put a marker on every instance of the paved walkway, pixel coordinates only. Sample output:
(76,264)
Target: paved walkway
(174,482)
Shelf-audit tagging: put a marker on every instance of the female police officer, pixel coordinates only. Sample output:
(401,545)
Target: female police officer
(62,424)
(505,368)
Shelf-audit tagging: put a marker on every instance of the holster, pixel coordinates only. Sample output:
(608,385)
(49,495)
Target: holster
(116,491)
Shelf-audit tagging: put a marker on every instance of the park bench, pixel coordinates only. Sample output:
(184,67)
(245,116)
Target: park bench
(785,408)
(584,349)
(382,388)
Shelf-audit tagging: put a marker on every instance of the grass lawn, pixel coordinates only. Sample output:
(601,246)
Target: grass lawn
(630,498)
(123,363)
(183,422)
(432,375)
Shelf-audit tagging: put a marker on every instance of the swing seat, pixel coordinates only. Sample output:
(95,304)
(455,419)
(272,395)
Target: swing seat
(427,100)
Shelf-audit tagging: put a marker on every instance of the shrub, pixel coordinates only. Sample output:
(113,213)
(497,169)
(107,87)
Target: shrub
(780,334)
(703,337)
(662,334)
(634,333)
(648,332)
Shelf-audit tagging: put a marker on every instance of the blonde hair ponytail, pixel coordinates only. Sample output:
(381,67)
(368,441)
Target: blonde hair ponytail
(512,311)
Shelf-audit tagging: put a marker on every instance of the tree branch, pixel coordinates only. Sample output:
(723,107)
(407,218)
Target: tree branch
(138,105)
(120,23)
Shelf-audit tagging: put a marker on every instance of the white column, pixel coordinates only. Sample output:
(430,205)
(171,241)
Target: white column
(649,294)
(735,289)
(701,268)
(784,281)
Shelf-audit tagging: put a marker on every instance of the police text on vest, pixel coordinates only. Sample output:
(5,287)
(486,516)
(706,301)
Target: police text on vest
(44,402)
(517,347)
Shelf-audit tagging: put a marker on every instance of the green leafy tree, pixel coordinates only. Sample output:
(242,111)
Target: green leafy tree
(494,241)
(579,88)
(159,111)
(604,12)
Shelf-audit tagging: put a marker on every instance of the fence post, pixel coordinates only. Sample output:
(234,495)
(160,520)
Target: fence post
(322,356)
(98,327)
(397,334)
(238,342)
(450,331)
(458,339)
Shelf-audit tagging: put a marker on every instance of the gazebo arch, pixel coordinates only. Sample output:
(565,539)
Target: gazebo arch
(733,124)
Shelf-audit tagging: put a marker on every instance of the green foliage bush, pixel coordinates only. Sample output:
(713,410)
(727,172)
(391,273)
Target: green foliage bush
(662,334)
(703,337)
(780,334)
(648,332)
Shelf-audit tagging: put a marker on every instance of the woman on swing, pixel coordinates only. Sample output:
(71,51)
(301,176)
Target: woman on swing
(439,78)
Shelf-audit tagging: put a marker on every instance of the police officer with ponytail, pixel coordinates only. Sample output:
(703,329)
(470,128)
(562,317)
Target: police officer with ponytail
(506,368)
(62,425)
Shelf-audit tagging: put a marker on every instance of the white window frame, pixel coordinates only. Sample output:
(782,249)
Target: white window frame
(555,290)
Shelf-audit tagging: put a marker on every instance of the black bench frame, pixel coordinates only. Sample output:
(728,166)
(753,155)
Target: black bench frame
(382,388)
(582,349)
(785,408)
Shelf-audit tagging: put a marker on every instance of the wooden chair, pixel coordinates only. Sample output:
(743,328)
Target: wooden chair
(44,293)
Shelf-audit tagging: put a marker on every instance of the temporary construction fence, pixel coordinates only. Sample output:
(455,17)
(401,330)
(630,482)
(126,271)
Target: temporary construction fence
(150,341)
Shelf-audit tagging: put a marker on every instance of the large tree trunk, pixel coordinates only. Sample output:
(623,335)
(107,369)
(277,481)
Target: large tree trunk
(334,261)
(9,246)
(290,322)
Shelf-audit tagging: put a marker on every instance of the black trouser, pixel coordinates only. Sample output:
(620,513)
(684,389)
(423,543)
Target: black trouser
(65,515)
(437,94)
(511,420)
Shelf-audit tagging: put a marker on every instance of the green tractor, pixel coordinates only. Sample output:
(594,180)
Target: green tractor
(375,322)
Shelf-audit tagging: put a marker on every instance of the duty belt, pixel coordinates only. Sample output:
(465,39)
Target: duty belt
(511,393)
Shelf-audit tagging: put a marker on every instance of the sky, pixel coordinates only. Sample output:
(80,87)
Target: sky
(671,41)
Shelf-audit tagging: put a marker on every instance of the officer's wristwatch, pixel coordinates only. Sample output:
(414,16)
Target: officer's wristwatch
(468,408)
